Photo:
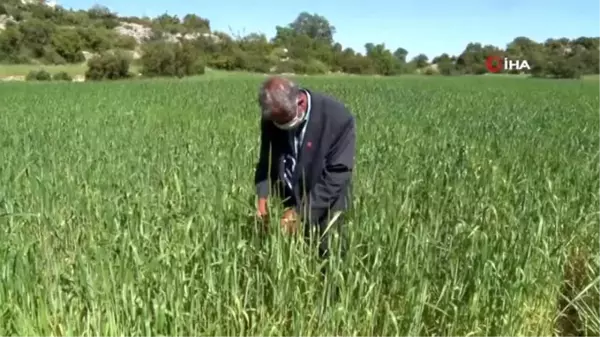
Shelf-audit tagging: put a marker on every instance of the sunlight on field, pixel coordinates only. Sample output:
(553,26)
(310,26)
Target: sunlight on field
(24,69)
(124,212)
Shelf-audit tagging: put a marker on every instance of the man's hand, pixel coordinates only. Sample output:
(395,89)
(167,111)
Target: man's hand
(289,221)
(262,213)
(261,209)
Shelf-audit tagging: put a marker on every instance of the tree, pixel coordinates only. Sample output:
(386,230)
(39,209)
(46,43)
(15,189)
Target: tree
(36,33)
(194,23)
(11,45)
(382,59)
(95,40)
(68,44)
(168,23)
(400,54)
(315,26)
(421,61)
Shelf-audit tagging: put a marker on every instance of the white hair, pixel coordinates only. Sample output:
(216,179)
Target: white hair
(284,95)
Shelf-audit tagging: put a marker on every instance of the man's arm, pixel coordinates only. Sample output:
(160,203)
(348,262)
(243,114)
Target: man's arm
(261,175)
(337,173)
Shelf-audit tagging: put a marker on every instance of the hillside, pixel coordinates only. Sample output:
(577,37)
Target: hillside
(46,33)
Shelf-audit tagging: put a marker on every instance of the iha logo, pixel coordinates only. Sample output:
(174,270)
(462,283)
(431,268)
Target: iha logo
(496,64)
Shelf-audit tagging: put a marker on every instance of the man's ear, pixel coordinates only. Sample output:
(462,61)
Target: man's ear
(301,104)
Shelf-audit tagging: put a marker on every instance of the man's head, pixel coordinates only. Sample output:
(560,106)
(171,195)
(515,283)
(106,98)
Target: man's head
(282,102)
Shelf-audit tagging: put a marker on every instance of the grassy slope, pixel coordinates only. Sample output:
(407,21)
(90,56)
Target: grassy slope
(125,210)
(23,69)
(79,69)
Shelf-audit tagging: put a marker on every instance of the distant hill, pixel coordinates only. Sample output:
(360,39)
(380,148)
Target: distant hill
(41,32)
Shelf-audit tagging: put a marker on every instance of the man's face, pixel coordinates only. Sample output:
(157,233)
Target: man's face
(287,120)
(281,116)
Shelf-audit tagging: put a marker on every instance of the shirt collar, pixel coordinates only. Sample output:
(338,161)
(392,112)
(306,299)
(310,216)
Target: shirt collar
(308,105)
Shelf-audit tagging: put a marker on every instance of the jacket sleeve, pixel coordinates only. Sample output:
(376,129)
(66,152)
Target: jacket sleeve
(261,175)
(337,173)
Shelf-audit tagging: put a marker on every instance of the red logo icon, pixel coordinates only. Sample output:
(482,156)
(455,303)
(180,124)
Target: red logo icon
(494,64)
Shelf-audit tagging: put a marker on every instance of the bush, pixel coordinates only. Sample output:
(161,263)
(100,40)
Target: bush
(62,76)
(223,62)
(95,40)
(52,57)
(125,42)
(38,75)
(359,65)
(446,68)
(430,71)
(256,63)
(171,59)
(108,66)
(284,67)
(312,67)
(315,67)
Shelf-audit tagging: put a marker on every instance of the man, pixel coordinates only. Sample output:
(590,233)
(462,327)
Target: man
(307,151)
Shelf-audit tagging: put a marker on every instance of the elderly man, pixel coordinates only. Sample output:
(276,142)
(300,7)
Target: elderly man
(307,151)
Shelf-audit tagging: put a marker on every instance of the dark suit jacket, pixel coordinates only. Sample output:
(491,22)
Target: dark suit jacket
(323,174)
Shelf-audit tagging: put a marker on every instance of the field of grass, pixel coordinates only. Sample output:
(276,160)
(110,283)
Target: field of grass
(7,70)
(123,211)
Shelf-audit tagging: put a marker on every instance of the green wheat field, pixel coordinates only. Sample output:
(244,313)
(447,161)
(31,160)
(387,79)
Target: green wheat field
(124,211)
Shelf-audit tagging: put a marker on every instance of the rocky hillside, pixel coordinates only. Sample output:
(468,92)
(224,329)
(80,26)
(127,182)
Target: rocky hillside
(98,30)
(44,33)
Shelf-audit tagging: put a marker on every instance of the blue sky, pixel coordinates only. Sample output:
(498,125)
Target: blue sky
(420,26)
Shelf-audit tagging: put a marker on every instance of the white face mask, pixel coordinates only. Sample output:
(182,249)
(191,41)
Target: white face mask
(291,124)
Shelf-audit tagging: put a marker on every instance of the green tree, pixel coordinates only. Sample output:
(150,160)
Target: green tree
(400,55)
(95,40)
(382,59)
(103,17)
(315,26)
(11,45)
(421,61)
(37,34)
(194,23)
(68,44)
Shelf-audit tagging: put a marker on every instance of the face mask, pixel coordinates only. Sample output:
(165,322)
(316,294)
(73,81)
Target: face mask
(291,124)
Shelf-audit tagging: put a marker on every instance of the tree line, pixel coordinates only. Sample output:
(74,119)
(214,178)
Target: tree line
(40,34)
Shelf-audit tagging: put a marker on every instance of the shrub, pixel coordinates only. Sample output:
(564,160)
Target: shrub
(256,63)
(316,67)
(62,76)
(108,66)
(125,42)
(38,75)
(285,67)
(51,56)
(311,67)
(430,71)
(171,59)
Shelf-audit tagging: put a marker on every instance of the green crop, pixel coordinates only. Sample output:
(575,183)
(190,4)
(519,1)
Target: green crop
(123,211)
